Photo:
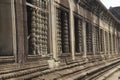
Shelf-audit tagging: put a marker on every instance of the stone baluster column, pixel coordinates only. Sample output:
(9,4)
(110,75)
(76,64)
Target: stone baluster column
(59,31)
(33,32)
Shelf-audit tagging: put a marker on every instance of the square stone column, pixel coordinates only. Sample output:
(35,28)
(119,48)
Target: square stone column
(115,39)
(104,42)
(112,44)
(93,36)
(14,29)
(108,44)
(52,25)
(84,38)
(117,43)
(72,37)
(21,31)
(93,41)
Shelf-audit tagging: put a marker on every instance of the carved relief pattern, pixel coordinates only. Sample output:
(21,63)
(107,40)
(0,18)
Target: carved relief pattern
(78,35)
(101,40)
(106,39)
(58,23)
(96,39)
(39,33)
(65,34)
(62,31)
(89,37)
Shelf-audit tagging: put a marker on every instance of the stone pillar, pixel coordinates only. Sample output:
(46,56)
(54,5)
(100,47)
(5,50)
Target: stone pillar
(25,30)
(93,40)
(115,39)
(104,42)
(21,31)
(99,41)
(112,52)
(108,44)
(14,29)
(72,40)
(115,44)
(84,38)
(52,30)
(118,42)
(93,35)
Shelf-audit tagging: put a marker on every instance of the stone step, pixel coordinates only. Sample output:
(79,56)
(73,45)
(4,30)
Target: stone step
(33,74)
(61,73)
(7,59)
(15,70)
(58,72)
(22,72)
(27,73)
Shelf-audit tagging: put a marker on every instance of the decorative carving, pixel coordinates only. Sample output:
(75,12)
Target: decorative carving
(59,40)
(89,37)
(78,35)
(96,38)
(62,31)
(39,27)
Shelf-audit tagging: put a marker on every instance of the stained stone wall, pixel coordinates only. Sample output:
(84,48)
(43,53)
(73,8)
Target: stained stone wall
(5,28)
